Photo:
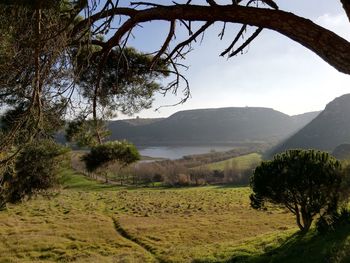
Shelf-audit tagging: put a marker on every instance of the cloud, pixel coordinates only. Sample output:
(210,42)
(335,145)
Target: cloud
(338,23)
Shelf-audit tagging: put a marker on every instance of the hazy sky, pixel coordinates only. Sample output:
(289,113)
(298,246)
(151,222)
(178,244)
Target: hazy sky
(275,72)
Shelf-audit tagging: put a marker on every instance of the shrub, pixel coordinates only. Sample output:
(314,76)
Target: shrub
(34,169)
(183,180)
(329,222)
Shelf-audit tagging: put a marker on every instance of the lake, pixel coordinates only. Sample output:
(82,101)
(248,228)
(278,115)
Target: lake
(177,152)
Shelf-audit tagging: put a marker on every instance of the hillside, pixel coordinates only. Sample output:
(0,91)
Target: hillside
(213,126)
(342,152)
(91,222)
(328,130)
(301,120)
(142,121)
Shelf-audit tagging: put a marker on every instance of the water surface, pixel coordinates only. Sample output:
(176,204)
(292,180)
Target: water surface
(177,152)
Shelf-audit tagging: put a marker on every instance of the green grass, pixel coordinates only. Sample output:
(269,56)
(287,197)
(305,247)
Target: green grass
(70,180)
(91,222)
(292,247)
(241,162)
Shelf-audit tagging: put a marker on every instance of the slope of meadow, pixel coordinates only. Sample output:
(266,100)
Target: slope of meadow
(241,162)
(91,222)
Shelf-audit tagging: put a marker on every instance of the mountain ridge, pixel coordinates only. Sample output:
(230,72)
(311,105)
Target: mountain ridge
(213,126)
(325,132)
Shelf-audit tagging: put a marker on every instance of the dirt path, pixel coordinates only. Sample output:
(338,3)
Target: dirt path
(148,249)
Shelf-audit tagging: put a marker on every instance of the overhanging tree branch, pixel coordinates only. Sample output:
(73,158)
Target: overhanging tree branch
(332,48)
(346,7)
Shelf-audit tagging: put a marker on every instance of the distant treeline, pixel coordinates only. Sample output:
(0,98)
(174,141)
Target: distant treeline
(190,170)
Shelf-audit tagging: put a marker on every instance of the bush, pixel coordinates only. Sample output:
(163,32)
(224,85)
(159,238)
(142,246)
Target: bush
(183,180)
(330,222)
(35,168)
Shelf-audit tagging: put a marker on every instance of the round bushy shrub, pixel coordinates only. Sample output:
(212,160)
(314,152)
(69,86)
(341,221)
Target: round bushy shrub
(121,151)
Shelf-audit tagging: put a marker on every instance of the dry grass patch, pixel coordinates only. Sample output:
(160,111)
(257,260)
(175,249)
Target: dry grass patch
(198,223)
(174,225)
(53,230)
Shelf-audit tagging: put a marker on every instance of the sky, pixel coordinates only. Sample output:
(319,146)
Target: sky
(273,72)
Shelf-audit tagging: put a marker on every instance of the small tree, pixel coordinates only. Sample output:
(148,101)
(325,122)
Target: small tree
(122,151)
(307,182)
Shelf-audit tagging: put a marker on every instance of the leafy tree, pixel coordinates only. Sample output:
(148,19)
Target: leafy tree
(127,85)
(34,69)
(306,182)
(83,132)
(46,64)
(121,151)
(51,122)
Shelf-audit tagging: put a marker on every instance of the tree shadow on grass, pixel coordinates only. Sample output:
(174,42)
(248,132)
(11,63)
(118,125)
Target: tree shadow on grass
(233,185)
(310,248)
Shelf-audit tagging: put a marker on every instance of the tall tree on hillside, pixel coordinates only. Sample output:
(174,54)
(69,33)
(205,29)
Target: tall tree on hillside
(35,69)
(45,67)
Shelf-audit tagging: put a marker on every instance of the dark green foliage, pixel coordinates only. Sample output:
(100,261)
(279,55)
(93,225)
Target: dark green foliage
(83,132)
(33,3)
(218,174)
(35,169)
(307,182)
(51,122)
(121,151)
(127,83)
(330,222)
(336,217)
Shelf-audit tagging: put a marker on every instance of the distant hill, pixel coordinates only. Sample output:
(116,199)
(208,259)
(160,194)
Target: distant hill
(342,152)
(212,126)
(302,119)
(142,121)
(328,130)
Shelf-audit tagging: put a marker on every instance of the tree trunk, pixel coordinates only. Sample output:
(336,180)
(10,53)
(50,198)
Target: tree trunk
(95,120)
(298,218)
(307,219)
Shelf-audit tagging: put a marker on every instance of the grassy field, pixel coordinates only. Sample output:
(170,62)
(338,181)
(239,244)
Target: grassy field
(241,162)
(91,222)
